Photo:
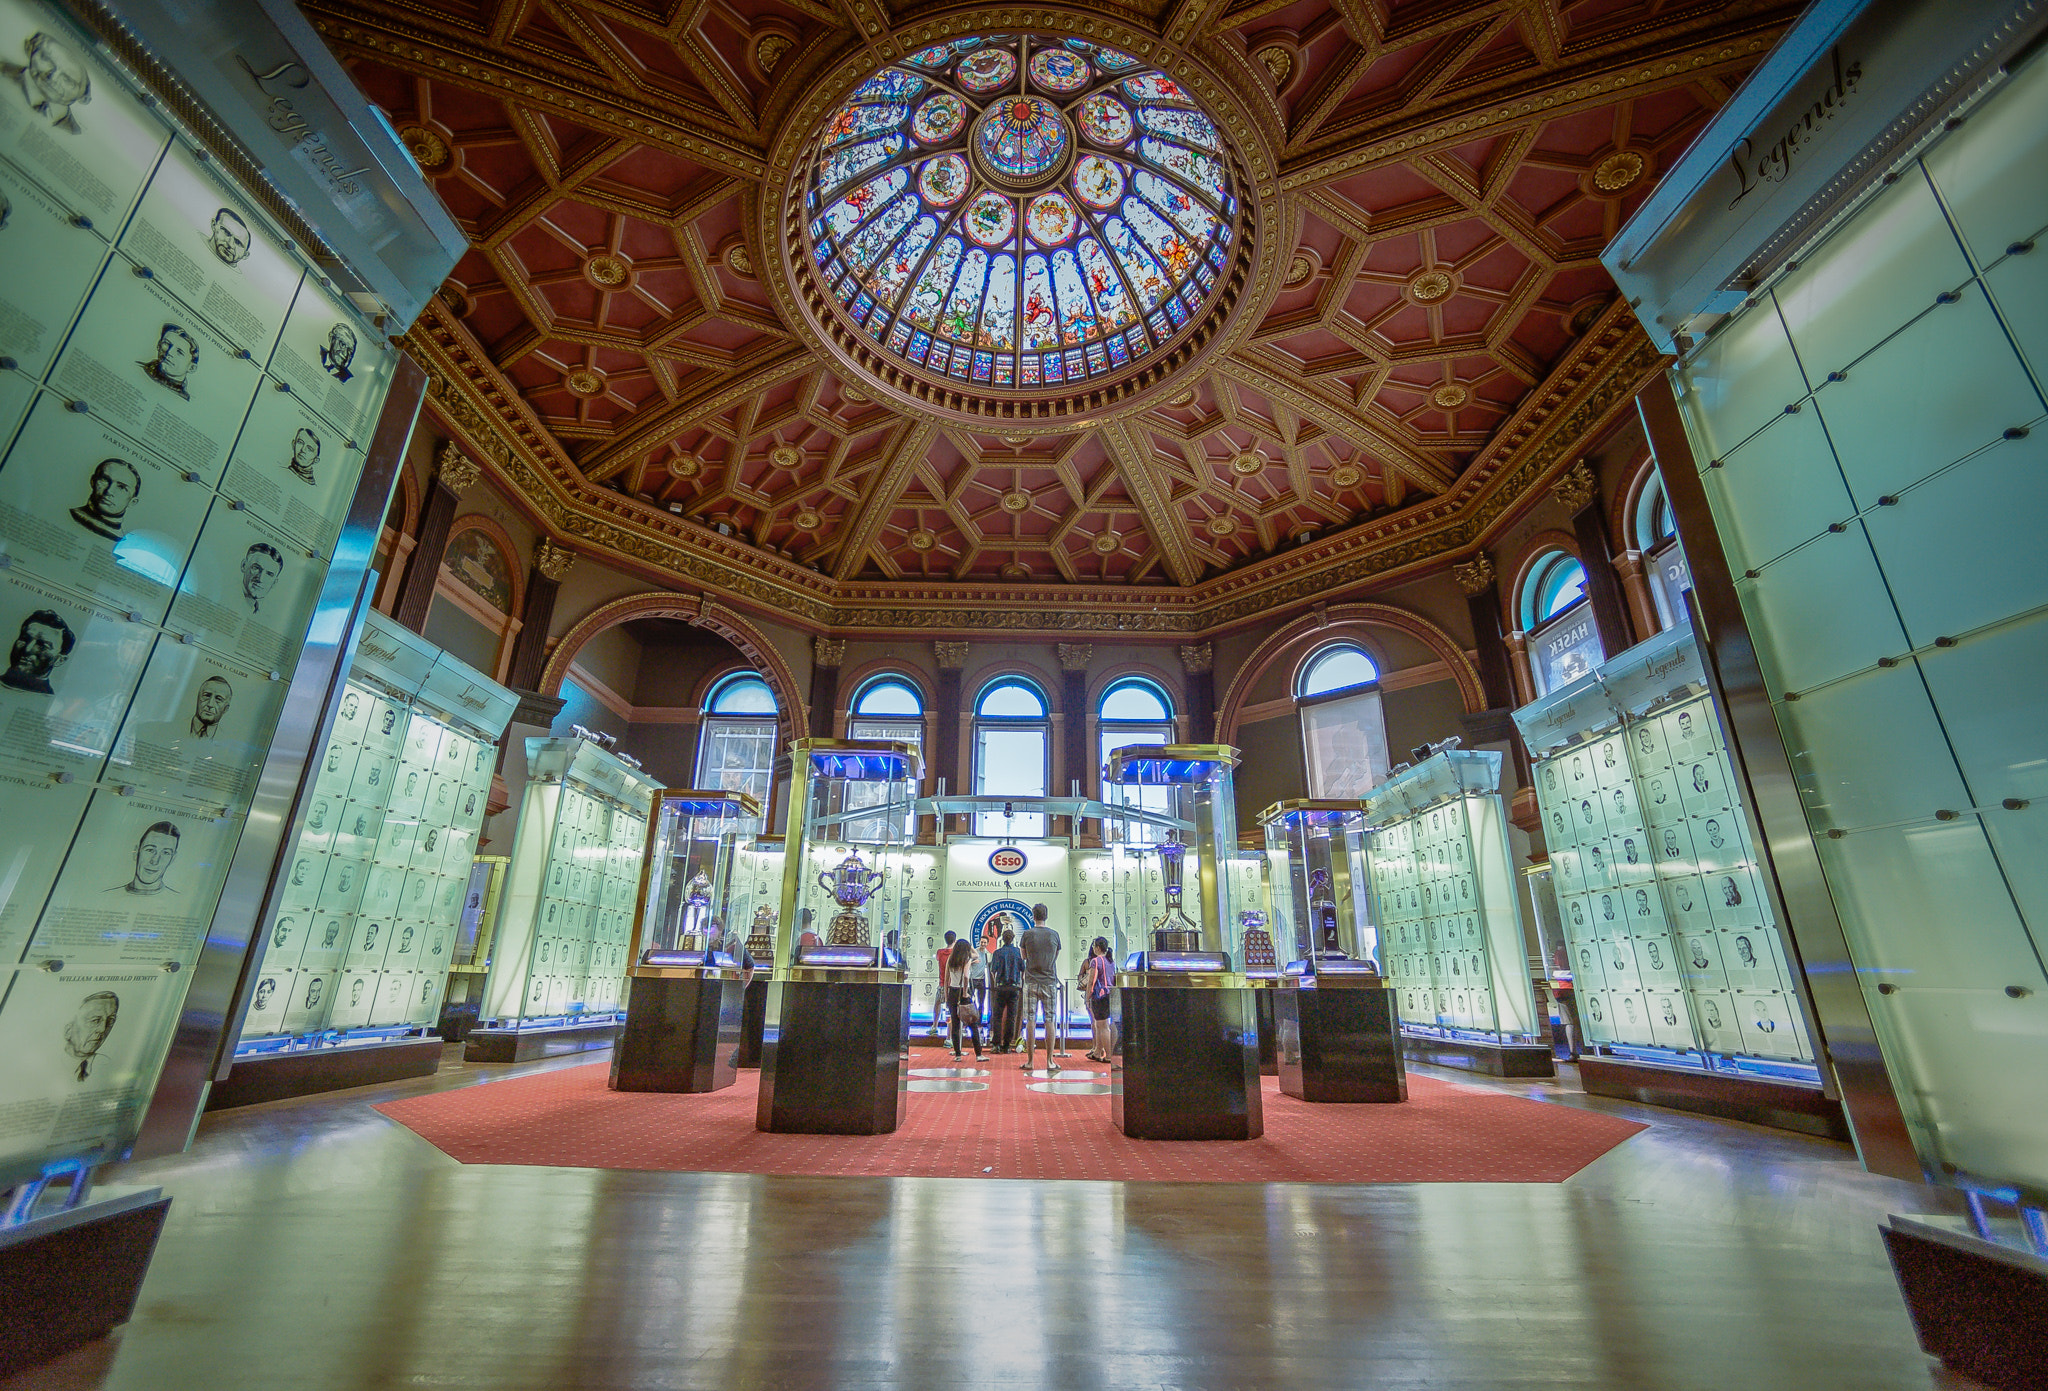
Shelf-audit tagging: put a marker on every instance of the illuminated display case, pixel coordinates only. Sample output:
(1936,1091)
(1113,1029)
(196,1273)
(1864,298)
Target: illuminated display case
(1337,1029)
(1188,1067)
(836,1033)
(683,1001)
(566,921)
(363,931)
(1664,907)
(1450,924)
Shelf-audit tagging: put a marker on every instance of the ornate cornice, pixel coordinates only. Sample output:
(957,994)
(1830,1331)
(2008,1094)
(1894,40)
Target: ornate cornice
(1074,656)
(554,562)
(951,656)
(455,470)
(1475,576)
(1577,488)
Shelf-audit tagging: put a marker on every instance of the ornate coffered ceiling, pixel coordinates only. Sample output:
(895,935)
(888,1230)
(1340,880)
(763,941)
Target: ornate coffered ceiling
(1433,184)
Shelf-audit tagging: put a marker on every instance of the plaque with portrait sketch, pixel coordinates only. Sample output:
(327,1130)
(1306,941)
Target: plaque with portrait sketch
(409,785)
(333,359)
(250,590)
(36,230)
(327,939)
(1751,959)
(354,997)
(357,830)
(385,732)
(268,1003)
(368,942)
(422,744)
(38,816)
(139,885)
(353,715)
(1656,959)
(86,507)
(1699,959)
(295,470)
(343,885)
(305,869)
(395,990)
(68,121)
(416,895)
(1734,899)
(1703,784)
(71,666)
(1772,1025)
(425,997)
(1670,1019)
(146,363)
(84,1044)
(442,801)
(408,945)
(323,818)
(201,725)
(312,998)
(285,944)
(337,768)
(1720,1021)
(386,881)
(218,256)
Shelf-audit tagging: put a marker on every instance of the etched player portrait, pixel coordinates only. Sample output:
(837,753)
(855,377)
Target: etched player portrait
(209,705)
(228,237)
(177,358)
(338,352)
(40,647)
(305,454)
(112,490)
(154,853)
(87,1032)
(261,565)
(53,80)
(265,988)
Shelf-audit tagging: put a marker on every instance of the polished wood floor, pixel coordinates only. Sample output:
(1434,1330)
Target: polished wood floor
(317,1245)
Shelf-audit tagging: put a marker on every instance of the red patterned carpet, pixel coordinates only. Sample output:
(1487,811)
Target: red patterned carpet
(1444,1133)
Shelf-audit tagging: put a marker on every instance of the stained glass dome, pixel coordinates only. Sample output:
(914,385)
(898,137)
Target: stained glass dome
(1015,212)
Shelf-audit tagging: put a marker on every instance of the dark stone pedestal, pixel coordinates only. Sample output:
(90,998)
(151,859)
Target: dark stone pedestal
(1340,1043)
(682,1035)
(1477,1055)
(1781,1105)
(1190,1068)
(1979,1306)
(302,1072)
(70,1277)
(1269,1056)
(753,1018)
(835,1057)
(525,1045)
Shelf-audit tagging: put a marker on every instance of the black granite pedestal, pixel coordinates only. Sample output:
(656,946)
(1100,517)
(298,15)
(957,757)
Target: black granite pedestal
(1190,1067)
(753,1017)
(835,1056)
(1339,1041)
(1980,1306)
(1262,1005)
(682,1034)
(70,1277)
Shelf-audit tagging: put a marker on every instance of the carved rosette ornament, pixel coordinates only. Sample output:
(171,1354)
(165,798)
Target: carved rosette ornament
(1577,488)
(951,656)
(1074,655)
(1475,576)
(553,561)
(828,652)
(455,470)
(1197,657)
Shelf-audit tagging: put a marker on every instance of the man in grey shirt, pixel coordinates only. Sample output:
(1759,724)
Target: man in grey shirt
(1041,948)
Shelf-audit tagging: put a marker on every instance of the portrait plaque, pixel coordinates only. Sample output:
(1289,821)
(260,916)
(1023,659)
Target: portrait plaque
(36,230)
(68,121)
(139,885)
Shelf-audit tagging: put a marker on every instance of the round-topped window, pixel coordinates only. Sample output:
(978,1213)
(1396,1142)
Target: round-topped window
(1013,214)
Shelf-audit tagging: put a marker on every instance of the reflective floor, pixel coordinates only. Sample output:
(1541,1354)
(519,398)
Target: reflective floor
(316,1244)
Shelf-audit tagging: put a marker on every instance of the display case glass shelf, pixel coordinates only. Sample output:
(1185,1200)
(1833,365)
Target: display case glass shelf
(696,902)
(1321,889)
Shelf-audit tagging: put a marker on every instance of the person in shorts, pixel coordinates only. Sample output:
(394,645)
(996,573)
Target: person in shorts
(1041,948)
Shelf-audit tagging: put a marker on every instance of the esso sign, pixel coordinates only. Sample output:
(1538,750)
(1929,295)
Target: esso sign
(1008,860)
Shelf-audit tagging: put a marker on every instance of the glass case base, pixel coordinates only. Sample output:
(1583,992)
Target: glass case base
(682,1034)
(1262,1007)
(524,1045)
(1190,1068)
(307,1071)
(1978,1306)
(73,1276)
(836,1059)
(1340,1045)
(753,1019)
(1480,1055)
(1780,1105)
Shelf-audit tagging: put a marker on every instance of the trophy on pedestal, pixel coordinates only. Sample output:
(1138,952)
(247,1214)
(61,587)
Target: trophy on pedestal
(1322,917)
(851,885)
(697,927)
(761,935)
(1174,930)
(1258,943)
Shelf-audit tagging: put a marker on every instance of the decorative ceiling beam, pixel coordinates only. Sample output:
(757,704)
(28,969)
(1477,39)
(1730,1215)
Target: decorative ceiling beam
(1339,419)
(1151,489)
(905,452)
(661,426)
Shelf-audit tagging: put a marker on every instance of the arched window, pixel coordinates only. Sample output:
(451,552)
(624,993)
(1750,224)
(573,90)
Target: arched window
(1134,711)
(888,707)
(1012,752)
(1663,558)
(1343,721)
(736,746)
(1564,643)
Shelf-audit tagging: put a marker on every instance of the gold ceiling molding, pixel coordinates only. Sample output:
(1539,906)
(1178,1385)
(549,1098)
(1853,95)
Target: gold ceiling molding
(1597,378)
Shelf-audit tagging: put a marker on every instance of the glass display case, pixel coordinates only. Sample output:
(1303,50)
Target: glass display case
(688,913)
(1450,923)
(1188,1060)
(1322,901)
(566,921)
(845,898)
(835,1044)
(1554,952)
(362,932)
(1664,906)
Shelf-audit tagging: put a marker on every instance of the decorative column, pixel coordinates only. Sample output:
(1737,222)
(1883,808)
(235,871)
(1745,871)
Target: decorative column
(1074,657)
(826,656)
(1198,663)
(1635,585)
(944,755)
(1482,602)
(551,564)
(454,474)
(1579,491)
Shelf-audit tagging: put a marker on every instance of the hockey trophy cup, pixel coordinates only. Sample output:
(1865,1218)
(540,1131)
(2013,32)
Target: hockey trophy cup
(1174,930)
(851,885)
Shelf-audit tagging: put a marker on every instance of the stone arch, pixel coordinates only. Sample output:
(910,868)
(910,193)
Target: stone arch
(1534,549)
(1621,508)
(792,718)
(1343,620)
(507,548)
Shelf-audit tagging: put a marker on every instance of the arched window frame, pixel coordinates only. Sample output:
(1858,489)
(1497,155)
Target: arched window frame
(1113,732)
(1664,563)
(905,728)
(736,748)
(1344,728)
(1564,644)
(1008,739)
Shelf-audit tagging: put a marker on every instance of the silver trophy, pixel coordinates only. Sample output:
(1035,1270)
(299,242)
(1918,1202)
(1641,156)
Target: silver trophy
(1174,930)
(851,885)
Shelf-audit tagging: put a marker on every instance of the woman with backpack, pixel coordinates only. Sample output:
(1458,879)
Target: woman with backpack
(1098,978)
(959,969)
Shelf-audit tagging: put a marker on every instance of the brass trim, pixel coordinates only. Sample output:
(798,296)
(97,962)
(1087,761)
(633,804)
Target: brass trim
(745,800)
(681,973)
(1293,804)
(1189,980)
(1191,753)
(845,975)
(914,765)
